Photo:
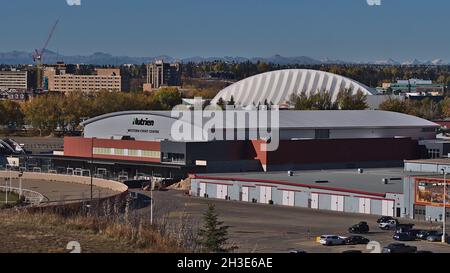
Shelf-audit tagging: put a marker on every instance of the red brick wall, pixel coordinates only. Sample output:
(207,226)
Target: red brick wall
(82,147)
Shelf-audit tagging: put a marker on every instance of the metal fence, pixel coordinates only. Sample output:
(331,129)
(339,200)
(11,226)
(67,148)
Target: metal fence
(31,197)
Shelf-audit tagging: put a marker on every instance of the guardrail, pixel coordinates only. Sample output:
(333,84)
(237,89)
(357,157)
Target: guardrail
(31,197)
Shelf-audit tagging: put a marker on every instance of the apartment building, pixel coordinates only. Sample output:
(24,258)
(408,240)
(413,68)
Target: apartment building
(160,74)
(105,79)
(14,79)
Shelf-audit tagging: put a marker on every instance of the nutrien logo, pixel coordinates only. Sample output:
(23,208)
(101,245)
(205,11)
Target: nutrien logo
(143,122)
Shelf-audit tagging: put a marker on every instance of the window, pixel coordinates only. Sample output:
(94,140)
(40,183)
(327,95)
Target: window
(102,151)
(434,153)
(151,154)
(429,130)
(133,152)
(322,134)
(119,152)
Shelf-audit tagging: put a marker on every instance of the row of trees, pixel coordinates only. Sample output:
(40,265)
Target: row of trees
(346,100)
(427,108)
(56,111)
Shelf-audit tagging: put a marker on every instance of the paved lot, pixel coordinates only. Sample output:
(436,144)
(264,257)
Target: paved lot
(265,228)
(58,191)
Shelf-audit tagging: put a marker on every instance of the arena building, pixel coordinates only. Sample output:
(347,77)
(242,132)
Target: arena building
(143,141)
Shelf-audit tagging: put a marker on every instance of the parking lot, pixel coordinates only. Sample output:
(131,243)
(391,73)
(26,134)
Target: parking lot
(264,228)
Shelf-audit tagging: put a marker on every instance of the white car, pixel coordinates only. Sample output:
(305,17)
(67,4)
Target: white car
(331,240)
(391,224)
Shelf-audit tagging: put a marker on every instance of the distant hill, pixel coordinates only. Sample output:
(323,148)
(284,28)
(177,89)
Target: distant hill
(100,58)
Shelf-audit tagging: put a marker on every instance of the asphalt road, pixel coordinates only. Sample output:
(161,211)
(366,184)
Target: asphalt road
(264,228)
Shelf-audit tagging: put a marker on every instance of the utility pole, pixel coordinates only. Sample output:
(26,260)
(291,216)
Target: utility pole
(444,214)
(92,168)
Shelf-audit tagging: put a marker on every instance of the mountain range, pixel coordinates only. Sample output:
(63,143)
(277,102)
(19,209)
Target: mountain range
(100,58)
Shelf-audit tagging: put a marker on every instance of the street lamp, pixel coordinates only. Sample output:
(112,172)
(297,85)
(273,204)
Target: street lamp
(444,214)
(92,166)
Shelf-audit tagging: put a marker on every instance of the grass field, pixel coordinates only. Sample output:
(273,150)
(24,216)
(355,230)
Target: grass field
(12,197)
(24,232)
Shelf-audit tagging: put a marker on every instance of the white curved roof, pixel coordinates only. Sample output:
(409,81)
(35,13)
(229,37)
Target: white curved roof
(277,87)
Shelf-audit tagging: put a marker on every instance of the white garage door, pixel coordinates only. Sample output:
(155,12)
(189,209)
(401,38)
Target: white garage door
(337,203)
(265,194)
(364,205)
(314,200)
(222,191)
(202,189)
(288,198)
(245,194)
(388,208)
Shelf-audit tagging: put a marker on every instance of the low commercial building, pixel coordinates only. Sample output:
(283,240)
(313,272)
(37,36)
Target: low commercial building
(415,86)
(374,191)
(106,79)
(14,79)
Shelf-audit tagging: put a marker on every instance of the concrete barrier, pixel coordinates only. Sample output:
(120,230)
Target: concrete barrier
(72,207)
(101,183)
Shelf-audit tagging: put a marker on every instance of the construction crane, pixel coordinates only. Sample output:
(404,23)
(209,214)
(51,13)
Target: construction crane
(39,54)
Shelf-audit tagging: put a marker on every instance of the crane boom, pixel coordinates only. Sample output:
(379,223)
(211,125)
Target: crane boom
(37,55)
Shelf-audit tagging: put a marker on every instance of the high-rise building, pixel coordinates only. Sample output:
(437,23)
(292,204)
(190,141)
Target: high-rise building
(106,79)
(14,79)
(161,74)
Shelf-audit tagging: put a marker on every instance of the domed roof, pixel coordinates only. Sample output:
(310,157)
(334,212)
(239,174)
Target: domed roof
(277,87)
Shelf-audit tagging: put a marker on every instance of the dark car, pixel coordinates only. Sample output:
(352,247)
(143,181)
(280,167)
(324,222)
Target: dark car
(404,236)
(356,240)
(384,219)
(399,248)
(361,227)
(423,235)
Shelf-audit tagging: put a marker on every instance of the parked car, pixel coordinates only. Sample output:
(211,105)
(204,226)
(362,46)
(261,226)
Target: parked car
(399,248)
(404,236)
(356,240)
(406,228)
(330,240)
(390,224)
(424,234)
(361,227)
(437,237)
(384,219)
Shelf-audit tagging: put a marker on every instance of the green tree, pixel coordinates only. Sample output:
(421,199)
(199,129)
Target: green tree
(346,100)
(213,236)
(394,105)
(167,98)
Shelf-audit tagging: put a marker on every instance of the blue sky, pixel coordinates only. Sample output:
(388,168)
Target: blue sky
(339,29)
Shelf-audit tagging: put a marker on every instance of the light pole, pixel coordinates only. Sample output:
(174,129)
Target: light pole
(444,214)
(151,201)
(92,167)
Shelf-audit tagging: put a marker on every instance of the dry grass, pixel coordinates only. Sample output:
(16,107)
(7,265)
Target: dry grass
(49,232)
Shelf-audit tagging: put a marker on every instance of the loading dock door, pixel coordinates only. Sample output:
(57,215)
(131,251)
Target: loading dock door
(337,203)
(288,198)
(314,200)
(265,194)
(202,189)
(245,194)
(364,205)
(222,191)
(388,208)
